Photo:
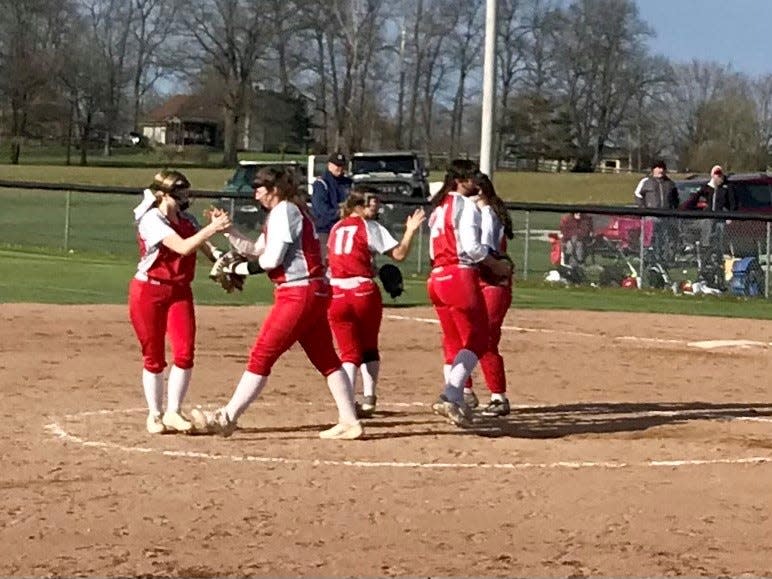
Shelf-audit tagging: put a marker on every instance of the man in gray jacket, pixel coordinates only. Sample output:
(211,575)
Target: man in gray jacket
(658,191)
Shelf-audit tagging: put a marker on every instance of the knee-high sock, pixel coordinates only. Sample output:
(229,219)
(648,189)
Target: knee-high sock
(370,372)
(153,385)
(460,370)
(340,389)
(351,373)
(246,392)
(177,387)
(446,372)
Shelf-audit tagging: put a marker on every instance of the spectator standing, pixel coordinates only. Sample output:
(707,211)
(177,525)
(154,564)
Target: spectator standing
(328,192)
(658,191)
(713,196)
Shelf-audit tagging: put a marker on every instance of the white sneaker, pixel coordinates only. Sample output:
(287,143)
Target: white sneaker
(343,431)
(212,422)
(176,422)
(155,424)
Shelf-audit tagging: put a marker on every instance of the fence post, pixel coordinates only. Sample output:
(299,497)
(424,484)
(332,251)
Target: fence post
(420,248)
(527,243)
(641,266)
(67,201)
(766,269)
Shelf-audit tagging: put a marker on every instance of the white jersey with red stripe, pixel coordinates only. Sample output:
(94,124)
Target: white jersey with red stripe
(292,252)
(352,244)
(492,230)
(455,229)
(158,262)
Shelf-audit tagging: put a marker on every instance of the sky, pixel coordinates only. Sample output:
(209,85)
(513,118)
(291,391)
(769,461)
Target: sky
(734,32)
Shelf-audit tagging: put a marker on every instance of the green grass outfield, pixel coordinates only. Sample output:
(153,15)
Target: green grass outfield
(521,186)
(76,279)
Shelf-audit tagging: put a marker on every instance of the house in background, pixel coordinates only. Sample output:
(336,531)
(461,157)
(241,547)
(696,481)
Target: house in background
(185,120)
(273,122)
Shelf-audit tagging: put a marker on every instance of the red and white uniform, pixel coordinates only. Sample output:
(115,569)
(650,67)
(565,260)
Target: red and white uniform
(160,298)
(454,283)
(497,298)
(289,251)
(357,309)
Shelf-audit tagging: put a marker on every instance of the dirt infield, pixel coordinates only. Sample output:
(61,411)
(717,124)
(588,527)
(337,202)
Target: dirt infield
(635,452)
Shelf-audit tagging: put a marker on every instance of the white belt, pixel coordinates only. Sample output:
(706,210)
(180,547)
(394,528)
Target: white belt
(441,268)
(299,282)
(349,282)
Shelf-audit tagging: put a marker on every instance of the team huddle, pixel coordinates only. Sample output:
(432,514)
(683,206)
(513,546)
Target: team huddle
(323,303)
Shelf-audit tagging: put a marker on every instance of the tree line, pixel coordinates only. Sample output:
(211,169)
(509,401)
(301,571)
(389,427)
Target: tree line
(575,78)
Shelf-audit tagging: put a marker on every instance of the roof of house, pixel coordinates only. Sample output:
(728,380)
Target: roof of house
(186,107)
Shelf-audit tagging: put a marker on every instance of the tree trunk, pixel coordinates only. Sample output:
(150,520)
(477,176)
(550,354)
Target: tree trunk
(230,148)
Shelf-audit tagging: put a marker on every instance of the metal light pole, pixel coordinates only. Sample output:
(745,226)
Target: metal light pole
(489,87)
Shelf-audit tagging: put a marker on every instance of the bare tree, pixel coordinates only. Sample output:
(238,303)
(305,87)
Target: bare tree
(29,35)
(466,44)
(231,37)
(111,23)
(154,25)
(600,65)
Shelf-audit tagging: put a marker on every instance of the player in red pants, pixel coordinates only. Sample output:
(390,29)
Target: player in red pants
(357,309)
(456,252)
(160,298)
(289,251)
(496,228)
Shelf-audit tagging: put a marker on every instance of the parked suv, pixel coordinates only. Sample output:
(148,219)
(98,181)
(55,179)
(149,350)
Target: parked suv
(244,211)
(396,173)
(391,173)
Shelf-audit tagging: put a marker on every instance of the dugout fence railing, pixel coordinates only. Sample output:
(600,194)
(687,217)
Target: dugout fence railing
(599,245)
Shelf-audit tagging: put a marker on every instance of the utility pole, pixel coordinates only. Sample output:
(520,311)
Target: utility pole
(489,87)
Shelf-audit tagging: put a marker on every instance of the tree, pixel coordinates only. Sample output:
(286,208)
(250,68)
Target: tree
(30,33)
(601,65)
(231,37)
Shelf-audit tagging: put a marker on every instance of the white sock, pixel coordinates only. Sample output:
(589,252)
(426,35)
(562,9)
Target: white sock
(496,396)
(467,390)
(246,392)
(153,385)
(462,367)
(340,389)
(370,372)
(446,372)
(177,387)
(351,373)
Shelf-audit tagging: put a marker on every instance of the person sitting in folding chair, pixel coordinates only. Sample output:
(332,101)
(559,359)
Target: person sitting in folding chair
(576,231)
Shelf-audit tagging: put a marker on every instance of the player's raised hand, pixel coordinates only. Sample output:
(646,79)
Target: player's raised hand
(415,220)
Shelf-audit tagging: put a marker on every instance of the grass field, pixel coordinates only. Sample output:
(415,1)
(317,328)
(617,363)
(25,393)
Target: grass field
(76,279)
(34,228)
(521,186)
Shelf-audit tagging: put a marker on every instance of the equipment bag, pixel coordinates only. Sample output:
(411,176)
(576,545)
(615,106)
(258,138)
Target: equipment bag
(747,278)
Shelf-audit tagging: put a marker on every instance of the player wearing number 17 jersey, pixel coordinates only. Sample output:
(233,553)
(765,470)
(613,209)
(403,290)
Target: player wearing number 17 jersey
(456,251)
(357,309)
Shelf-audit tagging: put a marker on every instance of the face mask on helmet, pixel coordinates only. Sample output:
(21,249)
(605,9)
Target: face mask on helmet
(183,201)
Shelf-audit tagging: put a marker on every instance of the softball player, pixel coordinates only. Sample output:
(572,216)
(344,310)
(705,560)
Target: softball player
(160,298)
(357,309)
(496,228)
(454,284)
(288,250)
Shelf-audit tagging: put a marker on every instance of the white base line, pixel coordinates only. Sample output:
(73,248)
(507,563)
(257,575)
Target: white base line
(686,412)
(692,344)
(60,433)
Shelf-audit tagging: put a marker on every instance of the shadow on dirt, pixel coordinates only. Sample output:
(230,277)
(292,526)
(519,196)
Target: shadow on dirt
(576,419)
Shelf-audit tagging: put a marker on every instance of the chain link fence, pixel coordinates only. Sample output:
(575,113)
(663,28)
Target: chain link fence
(682,252)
